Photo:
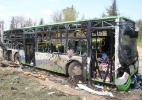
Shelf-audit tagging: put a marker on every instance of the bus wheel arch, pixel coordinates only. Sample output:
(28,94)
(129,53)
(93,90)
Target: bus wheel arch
(74,68)
(17,58)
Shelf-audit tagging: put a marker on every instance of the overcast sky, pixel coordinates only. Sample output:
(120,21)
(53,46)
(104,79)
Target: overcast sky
(37,9)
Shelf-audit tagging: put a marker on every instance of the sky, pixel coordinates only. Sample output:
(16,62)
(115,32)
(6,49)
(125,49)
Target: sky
(37,9)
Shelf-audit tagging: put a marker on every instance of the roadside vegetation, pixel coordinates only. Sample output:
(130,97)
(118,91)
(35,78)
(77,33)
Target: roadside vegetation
(139,43)
(139,25)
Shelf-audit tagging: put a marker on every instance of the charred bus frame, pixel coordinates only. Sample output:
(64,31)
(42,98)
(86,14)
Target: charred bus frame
(76,48)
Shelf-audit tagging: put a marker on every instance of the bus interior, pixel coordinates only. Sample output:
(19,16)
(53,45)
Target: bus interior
(103,55)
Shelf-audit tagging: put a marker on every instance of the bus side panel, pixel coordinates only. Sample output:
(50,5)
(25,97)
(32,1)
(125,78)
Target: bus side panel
(87,71)
(52,62)
(22,56)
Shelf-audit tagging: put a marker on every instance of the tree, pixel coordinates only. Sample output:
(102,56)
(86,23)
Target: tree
(1,25)
(12,24)
(83,18)
(111,10)
(17,22)
(103,15)
(1,28)
(20,21)
(139,25)
(29,22)
(57,16)
(67,14)
(70,13)
(41,21)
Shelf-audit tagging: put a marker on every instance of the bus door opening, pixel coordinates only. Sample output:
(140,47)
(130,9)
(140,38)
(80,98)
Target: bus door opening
(102,47)
(30,48)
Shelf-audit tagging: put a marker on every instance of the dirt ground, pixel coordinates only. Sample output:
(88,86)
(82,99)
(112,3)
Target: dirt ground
(140,53)
(14,85)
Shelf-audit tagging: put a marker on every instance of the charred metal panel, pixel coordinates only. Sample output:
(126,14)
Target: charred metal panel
(127,43)
(117,30)
(53,62)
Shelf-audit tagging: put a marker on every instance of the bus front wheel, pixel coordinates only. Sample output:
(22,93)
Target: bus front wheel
(17,58)
(75,70)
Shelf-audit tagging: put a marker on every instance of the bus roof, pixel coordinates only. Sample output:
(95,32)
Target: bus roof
(71,22)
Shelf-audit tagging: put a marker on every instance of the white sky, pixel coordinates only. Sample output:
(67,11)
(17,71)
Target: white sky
(37,9)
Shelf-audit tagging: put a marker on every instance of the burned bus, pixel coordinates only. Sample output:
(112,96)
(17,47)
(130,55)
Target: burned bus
(99,50)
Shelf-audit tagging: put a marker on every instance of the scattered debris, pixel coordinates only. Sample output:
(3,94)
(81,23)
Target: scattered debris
(27,88)
(51,87)
(43,72)
(42,77)
(17,78)
(13,88)
(84,98)
(9,63)
(77,88)
(122,92)
(100,87)
(4,74)
(50,93)
(42,87)
(95,92)
(66,85)
(80,82)
(136,79)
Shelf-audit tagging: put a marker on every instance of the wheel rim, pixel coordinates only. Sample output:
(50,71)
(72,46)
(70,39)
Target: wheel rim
(77,71)
(17,59)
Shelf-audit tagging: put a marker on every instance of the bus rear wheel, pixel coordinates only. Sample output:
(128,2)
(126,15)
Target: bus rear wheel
(75,70)
(17,58)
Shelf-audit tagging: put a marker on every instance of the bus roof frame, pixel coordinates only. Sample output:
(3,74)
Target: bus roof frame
(72,22)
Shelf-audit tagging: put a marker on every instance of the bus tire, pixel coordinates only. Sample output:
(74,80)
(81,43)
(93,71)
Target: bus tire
(75,69)
(17,58)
